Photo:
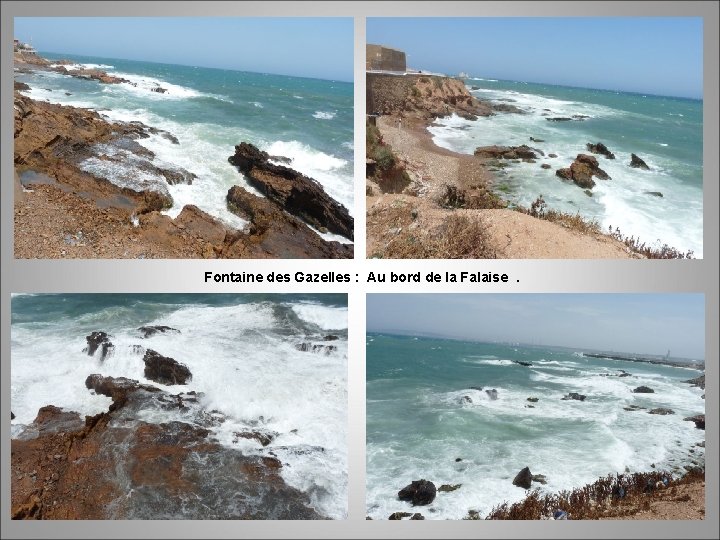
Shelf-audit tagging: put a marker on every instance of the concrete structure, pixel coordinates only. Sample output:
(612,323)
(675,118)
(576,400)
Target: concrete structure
(380,58)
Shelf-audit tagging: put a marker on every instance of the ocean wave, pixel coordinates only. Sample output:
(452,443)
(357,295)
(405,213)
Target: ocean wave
(322,115)
(149,86)
(324,317)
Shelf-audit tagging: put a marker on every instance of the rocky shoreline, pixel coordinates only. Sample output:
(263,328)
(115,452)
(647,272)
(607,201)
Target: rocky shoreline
(86,188)
(401,109)
(116,465)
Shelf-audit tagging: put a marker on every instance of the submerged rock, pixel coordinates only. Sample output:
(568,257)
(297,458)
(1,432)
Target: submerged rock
(99,340)
(316,348)
(532,399)
(643,390)
(699,420)
(575,396)
(492,394)
(148,331)
(419,492)
(698,382)
(264,438)
(661,411)
(165,370)
(507,152)
(446,488)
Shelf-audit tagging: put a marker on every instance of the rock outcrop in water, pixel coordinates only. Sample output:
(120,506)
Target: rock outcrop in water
(575,396)
(637,163)
(600,148)
(699,420)
(165,370)
(522,152)
(148,331)
(644,390)
(293,192)
(113,466)
(99,340)
(418,492)
(582,170)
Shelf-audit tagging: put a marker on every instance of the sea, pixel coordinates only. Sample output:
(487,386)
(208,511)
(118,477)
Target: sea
(666,132)
(425,422)
(210,111)
(241,350)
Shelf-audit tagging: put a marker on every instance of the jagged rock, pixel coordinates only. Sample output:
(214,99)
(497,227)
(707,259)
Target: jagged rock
(539,478)
(546,166)
(637,163)
(575,395)
(116,388)
(419,492)
(178,176)
(446,488)
(275,233)
(523,479)
(99,340)
(533,399)
(582,170)
(654,193)
(159,89)
(138,349)
(533,139)
(601,149)
(699,420)
(507,152)
(396,516)
(12,415)
(417,516)
(21,86)
(643,390)
(633,408)
(148,331)
(661,411)
(331,338)
(466,399)
(316,348)
(523,363)
(559,119)
(294,192)
(492,394)
(165,370)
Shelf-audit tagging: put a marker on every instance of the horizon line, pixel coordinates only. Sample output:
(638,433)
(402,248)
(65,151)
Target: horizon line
(196,66)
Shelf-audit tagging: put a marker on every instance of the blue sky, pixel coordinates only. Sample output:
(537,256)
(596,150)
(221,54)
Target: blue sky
(638,323)
(307,47)
(657,55)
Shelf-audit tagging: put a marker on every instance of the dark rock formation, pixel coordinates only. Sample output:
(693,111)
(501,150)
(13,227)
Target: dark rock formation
(397,516)
(698,382)
(552,155)
(446,488)
(533,139)
(539,478)
(638,163)
(292,191)
(165,370)
(331,338)
(545,166)
(523,363)
(12,415)
(601,149)
(533,399)
(21,86)
(419,492)
(699,420)
(148,331)
(633,408)
(159,89)
(559,119)
(575,396)
(523,479)
(644,390)
(99,340)
(274,233)
(492,394)
(582,170)
(661,411)
(417,516)
(654,193)
(466,399)
(479,388)
(507,152)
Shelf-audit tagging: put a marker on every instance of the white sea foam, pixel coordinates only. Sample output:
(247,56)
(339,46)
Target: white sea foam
(323,115)
(325,317)
(145,86)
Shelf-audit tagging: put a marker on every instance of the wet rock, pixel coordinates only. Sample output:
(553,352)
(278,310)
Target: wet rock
(523,363)
(466,399)
(148,331)
(99,340)
(116,388)
(575,396)
(533,139)
(552,155)
(316,348)
(558,119)
(478,388)
(546,166)
(492,394)
(264,438)
(446,488)
(698,382)
(396,516)
(523,479)
(633,408)
(654,193)
(331,338)
(21,86)
(539,478)
(293,192)
(159,89)
(417,516)
(601,149)
(274,233)
(507,152)
(661,411)
(699,420)
(170,137)
(533,399)
(582,170)
(637,163)
(12,415)
(201,224)
(419,492)
(643,390)
(138,349)
(165,370)
(178,176)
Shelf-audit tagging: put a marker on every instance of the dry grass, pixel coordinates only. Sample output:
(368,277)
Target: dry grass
(662,252)
(575,222)
(389,173)
(612,496)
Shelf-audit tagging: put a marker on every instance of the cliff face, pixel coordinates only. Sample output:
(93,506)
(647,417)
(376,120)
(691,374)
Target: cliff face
(428,95)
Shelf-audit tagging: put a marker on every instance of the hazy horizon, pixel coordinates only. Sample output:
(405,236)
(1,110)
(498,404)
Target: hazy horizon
(292,46)
(644,324)
(646,55)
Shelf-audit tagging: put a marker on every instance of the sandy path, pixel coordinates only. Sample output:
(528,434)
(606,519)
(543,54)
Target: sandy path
(513,235)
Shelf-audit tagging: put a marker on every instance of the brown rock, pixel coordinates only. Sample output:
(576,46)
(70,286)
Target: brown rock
(507,152)
(201,224)
(165,370)
(601,149)
(294,192)
(582,170)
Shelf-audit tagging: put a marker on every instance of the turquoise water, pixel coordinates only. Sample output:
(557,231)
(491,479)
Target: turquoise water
(666,132)
(242,352)
(212,110)
(419,420)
